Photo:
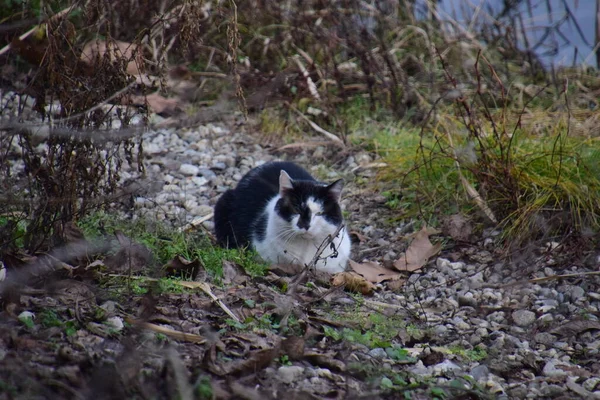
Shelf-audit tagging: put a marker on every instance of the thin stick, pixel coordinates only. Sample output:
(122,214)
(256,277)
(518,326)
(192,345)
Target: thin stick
(178,335)
(317,127)
(195,222)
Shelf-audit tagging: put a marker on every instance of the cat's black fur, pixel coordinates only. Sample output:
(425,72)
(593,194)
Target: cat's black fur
(240,212)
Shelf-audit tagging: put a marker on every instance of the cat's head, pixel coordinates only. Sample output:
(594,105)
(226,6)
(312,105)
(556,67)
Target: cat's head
(311,208)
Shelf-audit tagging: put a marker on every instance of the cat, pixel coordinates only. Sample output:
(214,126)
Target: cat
(285,214)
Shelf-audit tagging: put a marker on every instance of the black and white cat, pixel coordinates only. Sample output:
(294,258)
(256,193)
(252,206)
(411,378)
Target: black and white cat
(285,214)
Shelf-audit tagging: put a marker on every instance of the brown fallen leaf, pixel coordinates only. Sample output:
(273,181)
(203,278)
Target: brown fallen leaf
(576,327)
(156,103)
(353,282)
(95,50)
(233,273)
(374,272)
(293,346)
(419,251)
(286,269)
(182,267)
(252,362)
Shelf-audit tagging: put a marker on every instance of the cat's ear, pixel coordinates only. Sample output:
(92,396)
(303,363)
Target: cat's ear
(335,189)
(285,182)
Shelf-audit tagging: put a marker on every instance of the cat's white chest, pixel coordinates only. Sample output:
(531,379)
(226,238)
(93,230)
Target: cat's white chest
(281,245)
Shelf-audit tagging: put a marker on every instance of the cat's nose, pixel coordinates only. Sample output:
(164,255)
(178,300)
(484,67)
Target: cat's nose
(303,224)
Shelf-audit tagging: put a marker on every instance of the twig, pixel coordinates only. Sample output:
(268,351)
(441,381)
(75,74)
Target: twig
(312,264)
(188,337)
(196,222)
(317,127)
(328,240)
(309,82)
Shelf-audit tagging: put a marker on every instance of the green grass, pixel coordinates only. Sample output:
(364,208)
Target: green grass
(523,176)
(166,243)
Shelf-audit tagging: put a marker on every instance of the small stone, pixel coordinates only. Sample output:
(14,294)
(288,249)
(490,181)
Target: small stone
(576,292)
(523,317)
(545,338)
(116,323)
(289,374)
(552,391)
(220,166)
(479,372)
(189,169)
(324,373)
(551,369)
(378,353)
(445,366)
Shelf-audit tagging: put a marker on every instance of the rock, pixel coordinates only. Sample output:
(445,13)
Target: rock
(545,338)
(552,369)
(189,169)
(479,372)
(289,374)
(444,367)
(551,391)
(378,353)
(523,317)
(115,323)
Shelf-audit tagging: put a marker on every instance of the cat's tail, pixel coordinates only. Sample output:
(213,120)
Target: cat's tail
(223,214)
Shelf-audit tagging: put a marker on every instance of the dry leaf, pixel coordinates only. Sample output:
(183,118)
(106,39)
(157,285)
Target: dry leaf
(419,251)
(156,103)
(293,346)
(233,273)
(353,282)
(180,266)
(374,272)
(286,269)
(252,362)
(96,49)
(573,328)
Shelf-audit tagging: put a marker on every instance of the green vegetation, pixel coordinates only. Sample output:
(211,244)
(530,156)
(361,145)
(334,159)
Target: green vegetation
(475,354)
(203,388)
(166,243)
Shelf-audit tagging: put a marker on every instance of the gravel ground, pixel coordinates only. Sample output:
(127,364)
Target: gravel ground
(540,338)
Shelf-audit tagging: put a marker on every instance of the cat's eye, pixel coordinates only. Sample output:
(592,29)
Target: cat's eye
(320,214)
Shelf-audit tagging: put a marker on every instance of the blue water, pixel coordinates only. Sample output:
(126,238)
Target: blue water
(574,48)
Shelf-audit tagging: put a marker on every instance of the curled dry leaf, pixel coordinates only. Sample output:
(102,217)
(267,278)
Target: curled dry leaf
(374,272)
(180,266)
(353,282)
(420,250)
